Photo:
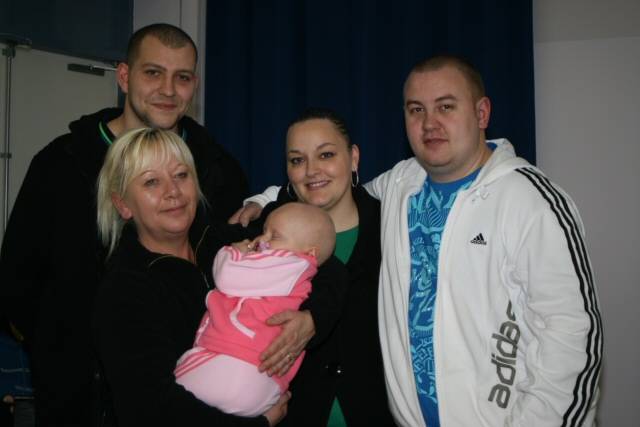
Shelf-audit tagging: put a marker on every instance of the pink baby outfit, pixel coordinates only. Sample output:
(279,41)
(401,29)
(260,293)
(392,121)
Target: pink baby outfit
(221,369)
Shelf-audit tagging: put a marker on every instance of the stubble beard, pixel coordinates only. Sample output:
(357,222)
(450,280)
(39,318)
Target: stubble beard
(147,121)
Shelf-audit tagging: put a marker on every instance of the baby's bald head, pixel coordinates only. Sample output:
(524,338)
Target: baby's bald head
(302,228)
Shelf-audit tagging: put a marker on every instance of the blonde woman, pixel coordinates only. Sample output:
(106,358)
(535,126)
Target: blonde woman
(159,273)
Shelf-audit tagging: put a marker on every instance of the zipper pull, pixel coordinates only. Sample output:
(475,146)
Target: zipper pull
(206,282)
(481,192)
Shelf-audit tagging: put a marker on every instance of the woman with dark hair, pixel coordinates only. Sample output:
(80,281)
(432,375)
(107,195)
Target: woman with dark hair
(341,381)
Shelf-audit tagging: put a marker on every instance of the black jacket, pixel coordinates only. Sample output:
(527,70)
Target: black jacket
(146,314)
(348,363)
(52,260)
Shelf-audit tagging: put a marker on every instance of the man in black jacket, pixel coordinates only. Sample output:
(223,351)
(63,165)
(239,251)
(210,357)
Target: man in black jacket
(51,260)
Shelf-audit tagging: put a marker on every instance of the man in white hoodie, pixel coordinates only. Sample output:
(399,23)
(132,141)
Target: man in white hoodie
(487,308)
(488,311)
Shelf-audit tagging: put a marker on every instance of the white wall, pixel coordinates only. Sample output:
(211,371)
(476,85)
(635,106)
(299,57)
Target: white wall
(45,97)
(587,76)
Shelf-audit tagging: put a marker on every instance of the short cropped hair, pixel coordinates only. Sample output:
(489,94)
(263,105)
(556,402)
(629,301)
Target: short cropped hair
(127,158)
(326,114)
(468,70)
(169,35)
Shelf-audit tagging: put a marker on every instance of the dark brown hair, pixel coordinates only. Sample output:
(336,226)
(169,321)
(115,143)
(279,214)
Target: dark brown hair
(169,35)
(326,114)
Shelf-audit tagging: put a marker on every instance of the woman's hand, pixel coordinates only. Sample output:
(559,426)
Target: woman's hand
(277,412)
(246,214)
(297,329)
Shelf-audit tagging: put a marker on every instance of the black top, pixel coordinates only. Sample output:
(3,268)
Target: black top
(52,260)
(348,362)
(146,315)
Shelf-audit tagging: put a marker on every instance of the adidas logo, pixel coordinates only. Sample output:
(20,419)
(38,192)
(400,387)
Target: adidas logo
(478,240)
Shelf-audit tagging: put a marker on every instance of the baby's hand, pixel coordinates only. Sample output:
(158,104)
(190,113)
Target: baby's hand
(258,245)
(244,246)
(251,246)
(263,246)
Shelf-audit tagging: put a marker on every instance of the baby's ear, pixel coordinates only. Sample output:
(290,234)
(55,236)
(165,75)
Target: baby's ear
(313,251)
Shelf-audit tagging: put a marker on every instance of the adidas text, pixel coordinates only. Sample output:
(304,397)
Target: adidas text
(505,359)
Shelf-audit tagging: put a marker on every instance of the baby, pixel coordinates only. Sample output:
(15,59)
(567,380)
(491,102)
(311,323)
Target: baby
(254,282)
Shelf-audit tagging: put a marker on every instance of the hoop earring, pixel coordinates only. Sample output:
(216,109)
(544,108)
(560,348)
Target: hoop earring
(289,190)
(357,180)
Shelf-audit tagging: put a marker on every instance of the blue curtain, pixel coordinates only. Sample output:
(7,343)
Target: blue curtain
(267,60)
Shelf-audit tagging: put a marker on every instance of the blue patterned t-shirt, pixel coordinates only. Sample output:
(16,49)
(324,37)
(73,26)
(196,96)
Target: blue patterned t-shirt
(428,211)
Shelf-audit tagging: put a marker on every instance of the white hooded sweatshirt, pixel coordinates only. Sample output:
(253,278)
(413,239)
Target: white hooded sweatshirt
(517,328)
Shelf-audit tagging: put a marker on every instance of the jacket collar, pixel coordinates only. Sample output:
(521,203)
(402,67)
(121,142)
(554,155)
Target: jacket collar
(131,252)
(88,147)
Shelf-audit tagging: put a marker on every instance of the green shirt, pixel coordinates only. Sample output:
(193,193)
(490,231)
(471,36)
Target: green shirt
(345,242)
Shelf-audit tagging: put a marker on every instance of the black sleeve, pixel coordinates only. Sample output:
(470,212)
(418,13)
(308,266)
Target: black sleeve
(138,355)
(25,258)
(327,298)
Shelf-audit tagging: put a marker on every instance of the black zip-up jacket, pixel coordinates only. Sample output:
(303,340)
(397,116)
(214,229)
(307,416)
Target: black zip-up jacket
(347,363)
(52,260)
(146,314)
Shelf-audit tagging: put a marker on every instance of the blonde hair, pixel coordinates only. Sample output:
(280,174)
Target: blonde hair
(126,158)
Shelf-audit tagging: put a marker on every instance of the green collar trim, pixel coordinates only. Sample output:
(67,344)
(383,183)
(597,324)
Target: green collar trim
(104,134)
